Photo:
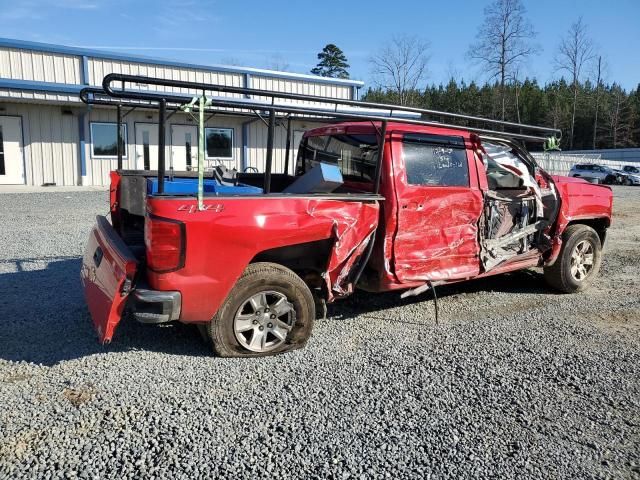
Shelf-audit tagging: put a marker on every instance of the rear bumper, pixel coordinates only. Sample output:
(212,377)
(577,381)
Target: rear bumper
(153,306)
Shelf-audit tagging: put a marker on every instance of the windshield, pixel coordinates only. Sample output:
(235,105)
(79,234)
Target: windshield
(355,154)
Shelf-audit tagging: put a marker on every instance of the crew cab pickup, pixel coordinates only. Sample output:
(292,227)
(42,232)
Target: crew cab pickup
(253,269)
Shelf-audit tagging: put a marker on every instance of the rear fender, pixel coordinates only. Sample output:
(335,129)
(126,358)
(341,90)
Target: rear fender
(353,229)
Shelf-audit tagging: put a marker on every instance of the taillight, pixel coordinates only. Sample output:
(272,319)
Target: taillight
(165,242)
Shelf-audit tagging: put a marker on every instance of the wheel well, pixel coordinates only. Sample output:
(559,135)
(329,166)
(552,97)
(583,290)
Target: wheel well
(302,258)
(600,225)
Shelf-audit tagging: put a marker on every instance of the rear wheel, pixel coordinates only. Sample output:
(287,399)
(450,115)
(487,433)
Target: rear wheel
(270,310)
(578,262)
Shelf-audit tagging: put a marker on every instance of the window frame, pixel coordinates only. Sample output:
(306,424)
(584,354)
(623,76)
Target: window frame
(456,142)
(345,170)
(125,140)
(233,143)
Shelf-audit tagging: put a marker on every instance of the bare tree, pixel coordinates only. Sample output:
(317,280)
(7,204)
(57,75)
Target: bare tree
(516,83)
(598,74)
(617,115)
(277,62)
(233,61)
(503,42)
(575,51)
(401,66)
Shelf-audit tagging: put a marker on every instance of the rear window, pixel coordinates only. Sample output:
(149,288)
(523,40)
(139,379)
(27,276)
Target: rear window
(355,154)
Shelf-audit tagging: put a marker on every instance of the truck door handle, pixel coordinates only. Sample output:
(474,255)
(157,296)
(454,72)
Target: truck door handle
(97,257)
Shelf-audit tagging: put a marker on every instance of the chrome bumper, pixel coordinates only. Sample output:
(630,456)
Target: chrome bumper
(153,306)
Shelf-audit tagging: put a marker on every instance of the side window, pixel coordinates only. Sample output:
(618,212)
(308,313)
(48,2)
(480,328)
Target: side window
(435,160)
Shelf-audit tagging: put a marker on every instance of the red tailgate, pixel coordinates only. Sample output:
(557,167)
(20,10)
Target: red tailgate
(107,274)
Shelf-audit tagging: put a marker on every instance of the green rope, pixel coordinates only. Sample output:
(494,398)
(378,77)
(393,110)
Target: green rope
(188,109)
(203,102)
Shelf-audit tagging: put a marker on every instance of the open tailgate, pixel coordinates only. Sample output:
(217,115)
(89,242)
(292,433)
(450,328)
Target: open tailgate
(108,270)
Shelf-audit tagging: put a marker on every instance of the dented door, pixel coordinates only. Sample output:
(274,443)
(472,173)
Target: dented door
(439,205)
(107,274)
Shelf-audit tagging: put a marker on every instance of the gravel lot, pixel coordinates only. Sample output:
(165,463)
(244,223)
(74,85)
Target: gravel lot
(515,381)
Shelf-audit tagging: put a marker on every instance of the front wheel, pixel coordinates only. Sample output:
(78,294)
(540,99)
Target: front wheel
(270,310)
(578,262)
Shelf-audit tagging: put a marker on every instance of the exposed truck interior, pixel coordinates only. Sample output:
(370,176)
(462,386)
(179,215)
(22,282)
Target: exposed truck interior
(517,208)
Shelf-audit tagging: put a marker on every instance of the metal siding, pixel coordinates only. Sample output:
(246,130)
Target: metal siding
(98,68)
(35,97)
(49,140)
(51,145)
(257,140)
(38,66)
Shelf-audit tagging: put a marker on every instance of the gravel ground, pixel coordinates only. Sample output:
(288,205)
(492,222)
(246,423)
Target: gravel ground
(515,381)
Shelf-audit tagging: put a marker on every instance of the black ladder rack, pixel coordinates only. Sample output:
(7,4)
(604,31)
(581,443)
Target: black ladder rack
(255,102)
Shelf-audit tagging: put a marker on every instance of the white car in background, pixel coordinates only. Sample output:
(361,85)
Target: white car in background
(597,172)
(633,173)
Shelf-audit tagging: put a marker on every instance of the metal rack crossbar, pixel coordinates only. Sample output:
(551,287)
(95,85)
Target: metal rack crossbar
(249,102)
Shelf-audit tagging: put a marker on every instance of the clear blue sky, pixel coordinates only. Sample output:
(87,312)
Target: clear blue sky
(260,33)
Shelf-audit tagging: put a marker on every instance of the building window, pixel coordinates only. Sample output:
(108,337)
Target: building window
(104,140)
(219,143)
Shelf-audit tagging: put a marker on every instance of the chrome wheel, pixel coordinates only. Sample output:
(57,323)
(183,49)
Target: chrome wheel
(582,260)
(263,322)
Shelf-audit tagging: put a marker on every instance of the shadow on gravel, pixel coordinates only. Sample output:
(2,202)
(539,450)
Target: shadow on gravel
(44,319)
(519,282)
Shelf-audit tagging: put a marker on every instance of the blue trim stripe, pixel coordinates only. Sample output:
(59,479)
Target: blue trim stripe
(94,53)
(40,86)
(83,153)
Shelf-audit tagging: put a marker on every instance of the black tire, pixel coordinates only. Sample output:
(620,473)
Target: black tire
(610,180)
(559,275)
(257,278)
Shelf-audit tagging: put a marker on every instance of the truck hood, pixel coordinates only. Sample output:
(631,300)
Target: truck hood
(581,200)
(559,179)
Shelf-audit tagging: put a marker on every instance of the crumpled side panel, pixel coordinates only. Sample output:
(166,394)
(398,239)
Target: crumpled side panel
(580,200)
(353,228)
(437,234)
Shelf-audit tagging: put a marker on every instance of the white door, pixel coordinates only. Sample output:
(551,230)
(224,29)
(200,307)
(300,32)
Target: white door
(11,160)
(146,146)
(184,148)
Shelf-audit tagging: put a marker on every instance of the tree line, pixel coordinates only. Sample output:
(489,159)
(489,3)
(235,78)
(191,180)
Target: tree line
(591,112)
(527,102)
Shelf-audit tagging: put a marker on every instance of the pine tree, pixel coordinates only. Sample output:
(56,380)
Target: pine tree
(550,105)
(333,63)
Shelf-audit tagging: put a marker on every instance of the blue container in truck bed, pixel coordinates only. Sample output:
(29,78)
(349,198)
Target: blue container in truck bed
(189,186)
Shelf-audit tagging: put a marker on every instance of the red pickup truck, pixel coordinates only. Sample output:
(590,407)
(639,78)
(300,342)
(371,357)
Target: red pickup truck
(252,269)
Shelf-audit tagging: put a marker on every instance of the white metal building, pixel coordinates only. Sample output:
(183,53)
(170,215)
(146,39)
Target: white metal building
(48,136)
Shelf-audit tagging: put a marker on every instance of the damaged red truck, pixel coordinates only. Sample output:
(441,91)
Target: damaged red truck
(252,266)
